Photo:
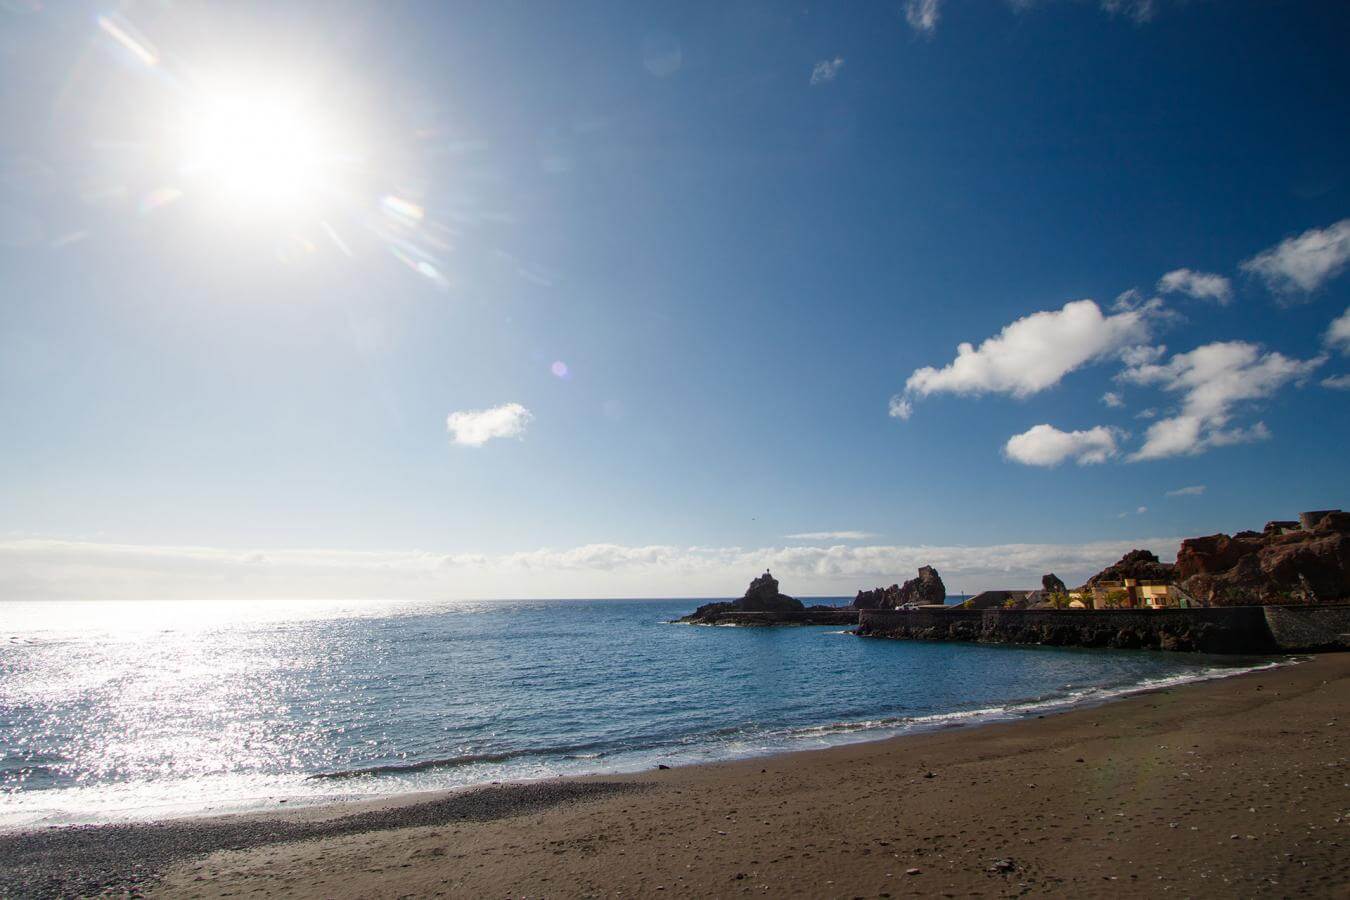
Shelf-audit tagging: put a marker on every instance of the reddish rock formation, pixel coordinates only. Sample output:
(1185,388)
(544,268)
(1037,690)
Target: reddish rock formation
(1215,553)
(927,589)
(1141,564)
(1283,564)
(878,598)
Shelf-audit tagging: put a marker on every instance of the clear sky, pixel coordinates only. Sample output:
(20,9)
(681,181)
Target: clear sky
(634,299)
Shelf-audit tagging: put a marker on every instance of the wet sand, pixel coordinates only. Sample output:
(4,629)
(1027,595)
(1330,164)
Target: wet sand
(1238,787)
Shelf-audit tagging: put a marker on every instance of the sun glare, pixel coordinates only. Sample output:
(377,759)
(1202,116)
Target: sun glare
(258,150)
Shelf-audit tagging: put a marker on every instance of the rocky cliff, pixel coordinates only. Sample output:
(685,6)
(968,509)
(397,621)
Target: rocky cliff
(1286,562)
(927,589)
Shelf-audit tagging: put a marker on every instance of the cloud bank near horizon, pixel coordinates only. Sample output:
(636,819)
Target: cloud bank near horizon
(50,569)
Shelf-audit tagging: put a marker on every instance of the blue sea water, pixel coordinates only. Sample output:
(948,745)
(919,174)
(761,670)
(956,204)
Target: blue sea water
(116,711)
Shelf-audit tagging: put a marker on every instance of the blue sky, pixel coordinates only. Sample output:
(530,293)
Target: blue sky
(623,299)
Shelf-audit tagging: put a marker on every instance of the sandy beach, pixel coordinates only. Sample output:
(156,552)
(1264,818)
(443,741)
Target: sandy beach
(1224,788)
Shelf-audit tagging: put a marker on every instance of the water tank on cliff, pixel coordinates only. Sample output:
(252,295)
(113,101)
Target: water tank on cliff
(1310,519)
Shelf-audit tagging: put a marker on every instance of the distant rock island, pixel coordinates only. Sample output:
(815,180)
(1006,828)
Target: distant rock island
(764,604)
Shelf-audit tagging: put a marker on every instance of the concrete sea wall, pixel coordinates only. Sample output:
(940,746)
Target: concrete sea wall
(1234,629)
(1310,627)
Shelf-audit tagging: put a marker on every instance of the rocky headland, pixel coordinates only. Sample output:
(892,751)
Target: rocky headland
(1286,562)
(1289,564)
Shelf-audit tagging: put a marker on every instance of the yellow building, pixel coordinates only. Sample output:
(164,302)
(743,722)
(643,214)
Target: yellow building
(1132,593)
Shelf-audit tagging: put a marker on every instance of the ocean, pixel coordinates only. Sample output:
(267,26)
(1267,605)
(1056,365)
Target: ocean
(134,711)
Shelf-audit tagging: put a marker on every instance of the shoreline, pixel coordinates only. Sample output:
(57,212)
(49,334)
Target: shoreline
(826,736)
(853,818)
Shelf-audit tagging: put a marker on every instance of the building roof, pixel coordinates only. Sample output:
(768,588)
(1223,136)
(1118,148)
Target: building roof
(995,599)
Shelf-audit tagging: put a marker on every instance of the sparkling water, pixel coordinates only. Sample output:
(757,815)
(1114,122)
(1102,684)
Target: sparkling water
(114,711)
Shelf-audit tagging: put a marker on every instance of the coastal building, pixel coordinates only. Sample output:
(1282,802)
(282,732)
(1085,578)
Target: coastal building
(1132,593)
(997,599)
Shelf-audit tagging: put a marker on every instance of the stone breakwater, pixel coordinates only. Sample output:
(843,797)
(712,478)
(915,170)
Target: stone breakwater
(1241,629)
(811,615)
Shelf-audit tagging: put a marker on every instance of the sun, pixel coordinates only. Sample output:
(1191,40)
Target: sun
(259,149)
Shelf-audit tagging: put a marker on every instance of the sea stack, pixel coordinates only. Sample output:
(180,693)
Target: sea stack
(762,596)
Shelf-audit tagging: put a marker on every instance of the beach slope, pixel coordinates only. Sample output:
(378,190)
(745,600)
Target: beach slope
(1224,788)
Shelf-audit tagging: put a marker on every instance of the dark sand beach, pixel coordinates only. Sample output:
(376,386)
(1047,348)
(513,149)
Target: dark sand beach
(1237,787)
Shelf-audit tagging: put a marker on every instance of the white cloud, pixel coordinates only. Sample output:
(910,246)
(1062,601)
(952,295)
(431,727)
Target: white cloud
(1046,445)
(1213,379)
(1338,335)
(1113,400)
(1140,11)
(1337,382)
(826,70)
(1141,510)
(1154,308)
(1304,263)
(830,536)
(900,407)
(923,15)
(475,427)
(1143,354)
(1201,285)
(38,569)
(1033,353)
(1194,490)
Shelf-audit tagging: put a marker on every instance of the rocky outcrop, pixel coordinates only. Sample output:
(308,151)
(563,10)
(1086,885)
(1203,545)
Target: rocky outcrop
(926,590)
(1052,584)
(1141,564)
(1282,564)
(762,596)
(878,598)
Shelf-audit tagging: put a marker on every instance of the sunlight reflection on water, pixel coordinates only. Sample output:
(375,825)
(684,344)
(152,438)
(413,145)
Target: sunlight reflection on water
(132,710)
